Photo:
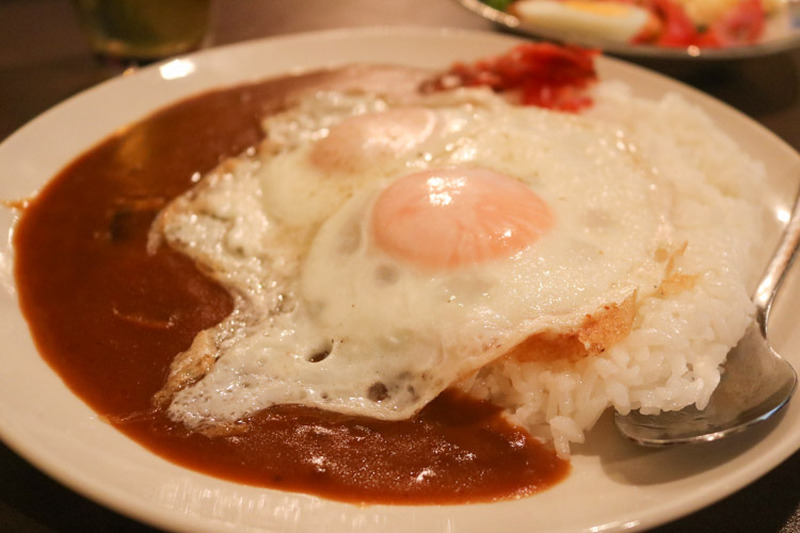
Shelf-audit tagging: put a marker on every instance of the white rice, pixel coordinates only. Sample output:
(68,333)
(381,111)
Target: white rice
(672,357)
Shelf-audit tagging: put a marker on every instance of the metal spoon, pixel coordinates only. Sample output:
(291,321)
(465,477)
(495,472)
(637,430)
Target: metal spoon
(756,382)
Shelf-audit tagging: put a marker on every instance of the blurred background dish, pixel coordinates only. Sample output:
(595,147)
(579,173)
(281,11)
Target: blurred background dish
(610,26)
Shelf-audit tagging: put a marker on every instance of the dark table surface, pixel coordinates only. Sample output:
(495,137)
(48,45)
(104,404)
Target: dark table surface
(44,60)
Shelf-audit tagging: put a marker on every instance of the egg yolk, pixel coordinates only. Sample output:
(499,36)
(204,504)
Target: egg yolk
(451,217)
(357,143)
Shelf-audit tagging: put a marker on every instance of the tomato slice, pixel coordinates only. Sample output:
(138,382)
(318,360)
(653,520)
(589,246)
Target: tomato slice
(741,24)
(677,28)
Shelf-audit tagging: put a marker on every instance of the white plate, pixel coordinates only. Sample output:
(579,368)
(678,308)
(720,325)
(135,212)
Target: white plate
(781,32)
(613,486)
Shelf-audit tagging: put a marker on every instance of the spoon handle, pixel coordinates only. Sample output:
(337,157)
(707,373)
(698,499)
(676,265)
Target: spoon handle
(779,265)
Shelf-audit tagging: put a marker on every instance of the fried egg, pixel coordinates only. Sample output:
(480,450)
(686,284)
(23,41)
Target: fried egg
(380,252)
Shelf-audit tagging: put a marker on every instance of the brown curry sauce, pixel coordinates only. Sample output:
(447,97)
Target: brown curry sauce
(109,318)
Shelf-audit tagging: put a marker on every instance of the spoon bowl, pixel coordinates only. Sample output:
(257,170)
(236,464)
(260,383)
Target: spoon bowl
(756,382)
